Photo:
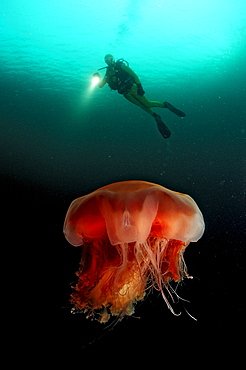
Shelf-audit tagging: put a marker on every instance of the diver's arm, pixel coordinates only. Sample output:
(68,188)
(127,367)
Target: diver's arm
(102,82)
(131,73)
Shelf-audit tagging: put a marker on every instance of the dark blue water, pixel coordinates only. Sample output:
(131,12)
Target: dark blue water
(60,139)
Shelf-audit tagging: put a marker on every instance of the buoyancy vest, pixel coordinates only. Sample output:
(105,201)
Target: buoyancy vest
(118,79)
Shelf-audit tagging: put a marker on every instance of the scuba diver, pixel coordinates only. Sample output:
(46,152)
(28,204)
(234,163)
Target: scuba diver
(122,78)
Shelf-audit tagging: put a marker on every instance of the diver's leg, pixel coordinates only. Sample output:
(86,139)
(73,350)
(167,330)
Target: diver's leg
(150,104)
(163,129)
(133,100)
(143,100)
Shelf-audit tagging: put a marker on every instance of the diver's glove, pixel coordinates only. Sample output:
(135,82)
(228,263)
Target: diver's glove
(96,75)
(141,91)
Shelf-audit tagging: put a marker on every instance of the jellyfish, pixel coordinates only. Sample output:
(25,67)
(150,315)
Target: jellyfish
(133,235)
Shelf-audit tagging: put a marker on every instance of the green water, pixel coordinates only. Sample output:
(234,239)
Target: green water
(57,133)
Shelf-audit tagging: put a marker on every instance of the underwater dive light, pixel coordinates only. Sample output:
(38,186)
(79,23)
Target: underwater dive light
(95,79)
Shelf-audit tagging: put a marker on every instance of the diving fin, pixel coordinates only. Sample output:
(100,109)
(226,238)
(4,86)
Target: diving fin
(173,109)
(163,129)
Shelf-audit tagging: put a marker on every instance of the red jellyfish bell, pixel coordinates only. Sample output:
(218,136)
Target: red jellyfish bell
(132,233)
